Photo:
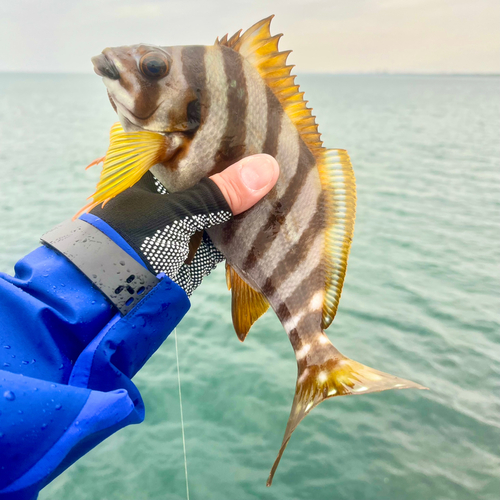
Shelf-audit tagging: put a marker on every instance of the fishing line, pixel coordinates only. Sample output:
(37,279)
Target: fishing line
(182,414)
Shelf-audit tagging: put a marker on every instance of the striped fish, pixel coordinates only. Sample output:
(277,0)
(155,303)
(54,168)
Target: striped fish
(189,112)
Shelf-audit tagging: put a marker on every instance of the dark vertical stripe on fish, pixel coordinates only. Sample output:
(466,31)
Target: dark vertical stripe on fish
(310,322)
(269,288)
(284,315)
(232,147)
(270,146)
(310,284)
(280,209)
(146,98)
(193,69)
(295,340)
(274,113)
(295,255)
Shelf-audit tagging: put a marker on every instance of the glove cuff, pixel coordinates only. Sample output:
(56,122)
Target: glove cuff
(112,270)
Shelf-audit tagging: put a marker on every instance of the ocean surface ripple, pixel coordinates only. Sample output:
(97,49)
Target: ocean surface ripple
(421,300)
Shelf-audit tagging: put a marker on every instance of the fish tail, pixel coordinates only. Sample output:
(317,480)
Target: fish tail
(323,376)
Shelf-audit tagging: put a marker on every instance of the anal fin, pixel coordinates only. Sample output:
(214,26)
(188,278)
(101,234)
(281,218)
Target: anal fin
(247,305)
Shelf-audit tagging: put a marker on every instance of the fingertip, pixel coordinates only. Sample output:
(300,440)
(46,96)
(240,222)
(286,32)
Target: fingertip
(259,171)
(247,181)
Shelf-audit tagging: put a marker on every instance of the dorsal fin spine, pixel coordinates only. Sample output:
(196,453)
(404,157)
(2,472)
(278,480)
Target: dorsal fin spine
(282,82)
(268,45)
(277,72)
(289,91)
(260,49)
(233,39)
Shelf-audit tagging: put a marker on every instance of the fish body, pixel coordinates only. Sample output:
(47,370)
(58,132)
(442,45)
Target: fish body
(210,107)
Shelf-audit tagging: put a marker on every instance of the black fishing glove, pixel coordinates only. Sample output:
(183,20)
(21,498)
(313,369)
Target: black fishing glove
(160,227)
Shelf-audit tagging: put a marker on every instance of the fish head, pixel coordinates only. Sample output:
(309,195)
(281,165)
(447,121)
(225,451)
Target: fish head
(194,95)
(148,90)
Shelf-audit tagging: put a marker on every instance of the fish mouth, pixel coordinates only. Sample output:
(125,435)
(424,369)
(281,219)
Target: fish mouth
(130,120)
(143,118)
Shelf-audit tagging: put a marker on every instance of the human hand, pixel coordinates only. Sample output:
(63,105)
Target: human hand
(162,228)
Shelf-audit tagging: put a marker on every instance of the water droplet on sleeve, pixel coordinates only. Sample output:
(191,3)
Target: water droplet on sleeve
(9,395)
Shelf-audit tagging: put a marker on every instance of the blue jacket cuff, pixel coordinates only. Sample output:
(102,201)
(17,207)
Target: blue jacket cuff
(66,363)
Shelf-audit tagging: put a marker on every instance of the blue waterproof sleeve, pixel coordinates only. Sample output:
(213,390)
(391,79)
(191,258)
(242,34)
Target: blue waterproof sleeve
(67,358)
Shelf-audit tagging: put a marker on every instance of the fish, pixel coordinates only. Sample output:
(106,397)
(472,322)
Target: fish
(188,112)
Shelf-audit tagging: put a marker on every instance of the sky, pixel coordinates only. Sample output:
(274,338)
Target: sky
(327,36)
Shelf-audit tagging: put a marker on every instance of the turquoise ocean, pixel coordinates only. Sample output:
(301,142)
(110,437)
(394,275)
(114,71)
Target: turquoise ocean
(421,300)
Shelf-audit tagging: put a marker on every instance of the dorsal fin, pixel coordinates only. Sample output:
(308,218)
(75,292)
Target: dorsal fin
(339,186)
(260,48)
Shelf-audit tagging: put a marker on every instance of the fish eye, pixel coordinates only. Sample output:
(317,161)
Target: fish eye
(154,65)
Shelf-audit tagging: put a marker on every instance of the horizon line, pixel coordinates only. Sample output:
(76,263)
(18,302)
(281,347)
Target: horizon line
(333,73)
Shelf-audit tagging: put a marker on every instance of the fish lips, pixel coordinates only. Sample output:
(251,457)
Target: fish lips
(105,68)
(130,121)
(130,125)
(133,123)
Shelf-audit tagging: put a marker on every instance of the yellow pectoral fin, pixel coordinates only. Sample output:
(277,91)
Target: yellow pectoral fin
(129,157)
(247,305)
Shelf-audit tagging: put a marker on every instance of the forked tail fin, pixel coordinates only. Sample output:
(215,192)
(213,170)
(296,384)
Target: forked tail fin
(335,376)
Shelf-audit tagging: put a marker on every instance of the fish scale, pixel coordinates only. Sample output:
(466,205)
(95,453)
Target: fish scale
(288,251)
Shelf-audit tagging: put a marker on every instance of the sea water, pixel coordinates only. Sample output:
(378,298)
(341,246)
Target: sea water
(421,300)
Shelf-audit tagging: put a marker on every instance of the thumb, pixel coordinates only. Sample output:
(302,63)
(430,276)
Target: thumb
(247,181)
